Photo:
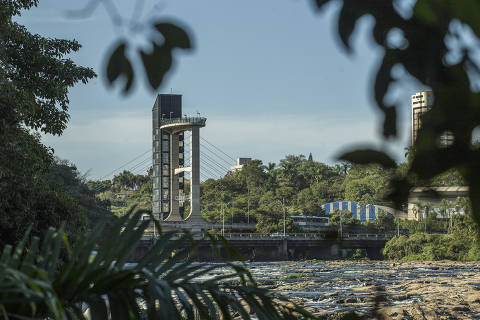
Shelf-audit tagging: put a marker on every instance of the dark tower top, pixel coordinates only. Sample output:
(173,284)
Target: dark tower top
(166,104)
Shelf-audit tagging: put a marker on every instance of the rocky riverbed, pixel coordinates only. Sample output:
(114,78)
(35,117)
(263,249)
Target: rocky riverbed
(405,290)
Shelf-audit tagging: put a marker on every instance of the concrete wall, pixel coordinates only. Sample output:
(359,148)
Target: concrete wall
(279,250)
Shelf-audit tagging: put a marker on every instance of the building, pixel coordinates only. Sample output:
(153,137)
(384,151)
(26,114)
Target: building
(167,106)
(240,163)
(434,196)
(311,223)
(168,127)
(362,212)
(421,103)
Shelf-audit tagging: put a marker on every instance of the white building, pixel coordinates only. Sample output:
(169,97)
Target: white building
(422,102)
(240,163)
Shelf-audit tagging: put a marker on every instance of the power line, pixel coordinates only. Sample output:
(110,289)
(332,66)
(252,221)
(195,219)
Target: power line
(141,170)
(140,164)
(215,154)
(209,168)
(214,161)
(216,148)
(209,172)
(113,171)
(213,166)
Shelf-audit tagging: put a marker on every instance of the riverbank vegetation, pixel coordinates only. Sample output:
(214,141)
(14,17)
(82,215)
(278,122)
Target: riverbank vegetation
(459,239)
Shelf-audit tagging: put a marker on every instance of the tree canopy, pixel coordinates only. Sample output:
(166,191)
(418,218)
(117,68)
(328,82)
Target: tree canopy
(35,75)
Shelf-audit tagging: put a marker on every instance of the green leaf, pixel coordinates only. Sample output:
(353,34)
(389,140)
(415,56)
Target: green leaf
(119,65)
(346,24)
(424,11)
(321,3)
(157,63)
(174,36)
(369,156)
(98,309)
(400,190)
(390,122)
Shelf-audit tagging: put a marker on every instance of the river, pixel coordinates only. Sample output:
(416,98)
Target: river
(412,290)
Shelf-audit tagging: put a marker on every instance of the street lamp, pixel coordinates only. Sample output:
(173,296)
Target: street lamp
(341,226)
(248,205)
(171,114)
(223,219)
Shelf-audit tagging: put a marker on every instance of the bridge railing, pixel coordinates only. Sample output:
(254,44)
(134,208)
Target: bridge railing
(291,236)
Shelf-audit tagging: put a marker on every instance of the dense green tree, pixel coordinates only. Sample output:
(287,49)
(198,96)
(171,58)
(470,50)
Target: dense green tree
(385,222)
(345,216)
(57,193)
(366,184)
(289,175)
(99,186)
(35,75)
(34,81)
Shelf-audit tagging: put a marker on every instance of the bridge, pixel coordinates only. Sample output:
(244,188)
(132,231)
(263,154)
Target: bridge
(267,247)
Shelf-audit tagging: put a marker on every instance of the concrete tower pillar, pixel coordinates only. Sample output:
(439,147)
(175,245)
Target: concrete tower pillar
(173,189)
(195,215)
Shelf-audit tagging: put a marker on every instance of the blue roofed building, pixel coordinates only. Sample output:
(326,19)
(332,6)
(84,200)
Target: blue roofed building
(362,212)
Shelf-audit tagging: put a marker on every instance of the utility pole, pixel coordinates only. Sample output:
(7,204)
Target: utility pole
(248,205)
(223,220)
(341,227)
(284,229)
(232,217)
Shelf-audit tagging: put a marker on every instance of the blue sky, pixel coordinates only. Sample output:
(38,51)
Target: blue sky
(270,76)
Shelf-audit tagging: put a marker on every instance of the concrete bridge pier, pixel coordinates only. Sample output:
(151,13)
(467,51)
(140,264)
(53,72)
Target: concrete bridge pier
(283,250)
(374,253)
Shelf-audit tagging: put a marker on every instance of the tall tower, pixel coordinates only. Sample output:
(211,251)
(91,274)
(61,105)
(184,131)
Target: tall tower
(167,106)
(422,102)
(175,127)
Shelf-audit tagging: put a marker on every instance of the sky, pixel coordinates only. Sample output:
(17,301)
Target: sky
(270,76)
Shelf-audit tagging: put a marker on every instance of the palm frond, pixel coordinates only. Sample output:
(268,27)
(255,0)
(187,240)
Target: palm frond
(96,276)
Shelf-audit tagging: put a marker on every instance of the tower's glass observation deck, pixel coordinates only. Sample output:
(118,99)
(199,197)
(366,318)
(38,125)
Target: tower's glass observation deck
(182,124)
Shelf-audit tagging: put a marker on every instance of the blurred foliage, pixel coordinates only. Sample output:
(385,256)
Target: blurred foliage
(437,46)
(166,283)
(164,36)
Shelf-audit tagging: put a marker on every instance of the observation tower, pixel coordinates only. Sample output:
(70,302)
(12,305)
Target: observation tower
(174,128)
(169,164)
